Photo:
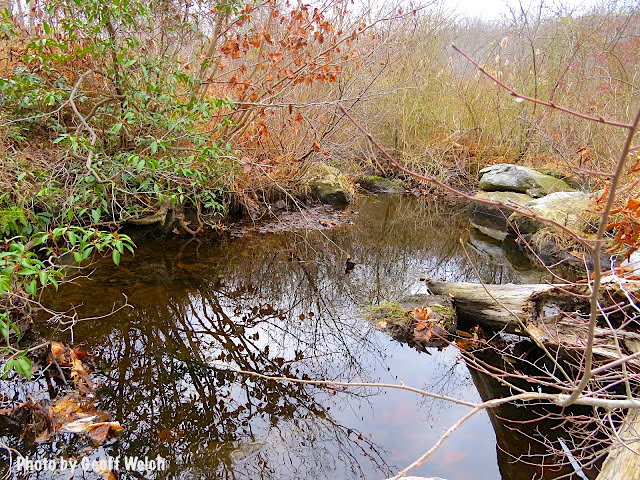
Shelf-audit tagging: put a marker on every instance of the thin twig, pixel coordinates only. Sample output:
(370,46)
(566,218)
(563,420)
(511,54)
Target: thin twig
(597,268)
(538,101)
(514,207)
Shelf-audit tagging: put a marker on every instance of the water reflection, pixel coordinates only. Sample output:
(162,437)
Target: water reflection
(282,305)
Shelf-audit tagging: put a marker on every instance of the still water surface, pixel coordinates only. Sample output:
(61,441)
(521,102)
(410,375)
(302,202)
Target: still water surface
(282,304)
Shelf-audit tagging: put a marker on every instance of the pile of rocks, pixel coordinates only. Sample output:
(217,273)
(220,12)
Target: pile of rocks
(536,195)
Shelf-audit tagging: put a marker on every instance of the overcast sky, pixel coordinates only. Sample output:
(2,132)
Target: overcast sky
(492,9)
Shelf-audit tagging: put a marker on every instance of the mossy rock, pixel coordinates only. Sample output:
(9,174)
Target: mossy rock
(376,184)
(329,185)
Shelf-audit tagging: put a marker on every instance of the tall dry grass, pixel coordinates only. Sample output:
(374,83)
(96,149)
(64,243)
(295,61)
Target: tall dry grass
(442,116)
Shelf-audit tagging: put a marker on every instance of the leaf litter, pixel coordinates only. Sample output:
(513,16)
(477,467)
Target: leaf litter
(73,413)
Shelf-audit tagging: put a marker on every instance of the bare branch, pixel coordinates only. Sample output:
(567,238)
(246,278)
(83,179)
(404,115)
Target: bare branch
(541,102)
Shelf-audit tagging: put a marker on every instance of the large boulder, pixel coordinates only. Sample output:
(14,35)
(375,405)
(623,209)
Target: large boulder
(573,210)
(328,185)
(515,178)
(375,184)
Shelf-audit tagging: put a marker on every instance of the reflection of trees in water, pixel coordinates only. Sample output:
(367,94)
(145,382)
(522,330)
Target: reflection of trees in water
(276,304)
(528,436)
(395,240)
(205,420)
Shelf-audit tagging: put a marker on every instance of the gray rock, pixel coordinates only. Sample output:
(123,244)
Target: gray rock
(570,209)
(490,219)
(328,185)
(502,253)
(496,234)
(375,184)
(515,178)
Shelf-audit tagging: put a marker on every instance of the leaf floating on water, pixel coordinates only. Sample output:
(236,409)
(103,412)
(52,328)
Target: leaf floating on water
(78,426)
(67,405)
(170,434)
(349,265)
(75,412)
(74,359)
(43,437)
(58,350)
(98,432)
(246,450)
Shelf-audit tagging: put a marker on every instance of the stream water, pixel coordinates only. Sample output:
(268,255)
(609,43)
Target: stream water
(281,304)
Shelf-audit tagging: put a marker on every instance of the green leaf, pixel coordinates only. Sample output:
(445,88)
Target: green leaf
(86,253)
(22,365)
(4,329)
(7,368)
(32,287)
(115,255)
(96,213)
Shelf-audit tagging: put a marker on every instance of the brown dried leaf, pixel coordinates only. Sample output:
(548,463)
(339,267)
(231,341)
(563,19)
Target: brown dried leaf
(421,314)
(79,426)
(44,436)
(66,406)
(57,350)
(382,324)
(421,326)
(98,432)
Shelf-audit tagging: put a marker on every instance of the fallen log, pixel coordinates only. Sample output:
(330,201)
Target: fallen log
(557,316)
(552,315)
(623,461)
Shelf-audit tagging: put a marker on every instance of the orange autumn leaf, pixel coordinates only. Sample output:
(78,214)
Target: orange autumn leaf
(98,432)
